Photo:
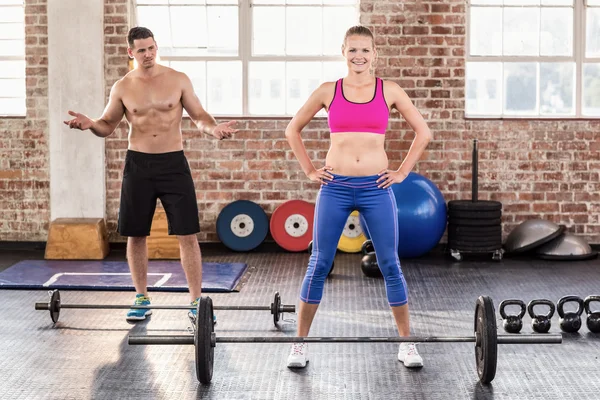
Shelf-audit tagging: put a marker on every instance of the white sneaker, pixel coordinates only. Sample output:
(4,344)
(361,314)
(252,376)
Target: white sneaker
(298,355)
(409,355)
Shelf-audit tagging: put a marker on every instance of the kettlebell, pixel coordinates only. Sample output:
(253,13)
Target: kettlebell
(514,322)
(593,318)
(570,321)
(310,252)
(541,323)
(367,247)
(369,266)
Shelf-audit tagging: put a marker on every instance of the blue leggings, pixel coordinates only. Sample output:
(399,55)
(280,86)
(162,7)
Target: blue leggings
(378,207)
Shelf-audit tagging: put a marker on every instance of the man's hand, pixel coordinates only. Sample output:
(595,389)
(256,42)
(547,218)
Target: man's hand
(321,175)
(387,178)
(80,121)
(224,130)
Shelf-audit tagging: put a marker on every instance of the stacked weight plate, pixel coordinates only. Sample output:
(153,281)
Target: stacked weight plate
(474,226)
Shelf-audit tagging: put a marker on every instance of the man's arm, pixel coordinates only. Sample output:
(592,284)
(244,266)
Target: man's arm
(108,122)
(191,103)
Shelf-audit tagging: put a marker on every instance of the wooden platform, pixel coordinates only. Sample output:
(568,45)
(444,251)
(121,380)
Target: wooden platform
(160,244)
(77,239)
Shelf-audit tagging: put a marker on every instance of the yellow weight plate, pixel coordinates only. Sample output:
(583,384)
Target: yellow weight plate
(352,237)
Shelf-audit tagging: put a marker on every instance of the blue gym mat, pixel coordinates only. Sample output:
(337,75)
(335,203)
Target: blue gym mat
(163,276)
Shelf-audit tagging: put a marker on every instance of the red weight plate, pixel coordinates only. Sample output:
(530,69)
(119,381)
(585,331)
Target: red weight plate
(292,225)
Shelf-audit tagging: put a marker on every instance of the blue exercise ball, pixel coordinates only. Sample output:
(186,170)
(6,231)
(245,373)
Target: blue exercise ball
(421,215)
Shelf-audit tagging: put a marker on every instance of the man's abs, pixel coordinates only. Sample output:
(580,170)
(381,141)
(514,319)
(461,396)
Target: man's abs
(357,154)
(153,109)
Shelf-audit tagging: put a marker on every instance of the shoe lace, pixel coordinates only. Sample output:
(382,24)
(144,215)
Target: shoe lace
(139,301)
(298,349)
(412,350)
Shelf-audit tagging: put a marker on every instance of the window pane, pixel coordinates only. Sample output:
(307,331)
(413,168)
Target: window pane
(268,1)
(188,26)
(557,32)
(224,87)
(301,80)
(333,70)
(223,30)
(12,69)
(557,2)
(266,88)
(520,88)
(328,2)
(592,38)
(187,2)
(161,2)
(310,41)
(557,88)
(12,106)
(222,2)
(12,31)
(591,90)
(268,30)
(12,14)
(492,2)
(521,31)
(154,19)
(305,2)
(521,2)
(484,88)
(12,47)
(12,87)
(593,2)
(339,19)
(13,2)
(486,31)
(196,71)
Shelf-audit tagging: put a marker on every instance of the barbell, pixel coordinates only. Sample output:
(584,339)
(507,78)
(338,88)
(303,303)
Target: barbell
(485,337)
(55,305)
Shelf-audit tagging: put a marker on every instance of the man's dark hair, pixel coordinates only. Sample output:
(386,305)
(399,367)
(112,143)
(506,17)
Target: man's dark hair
(138,32)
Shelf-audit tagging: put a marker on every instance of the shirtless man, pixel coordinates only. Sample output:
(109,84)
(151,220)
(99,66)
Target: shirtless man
(152,98)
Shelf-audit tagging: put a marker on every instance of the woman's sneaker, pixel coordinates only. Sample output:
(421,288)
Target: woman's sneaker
(298,355)
(139,314)
(192,313)
(409,355)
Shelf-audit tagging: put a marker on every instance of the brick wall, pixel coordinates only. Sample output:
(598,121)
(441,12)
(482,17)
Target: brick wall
(24,167)
(536,168)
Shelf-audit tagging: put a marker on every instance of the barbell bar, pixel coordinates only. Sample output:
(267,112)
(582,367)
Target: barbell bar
(55,305)
(485,337)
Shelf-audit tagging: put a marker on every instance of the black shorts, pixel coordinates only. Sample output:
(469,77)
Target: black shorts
(164,176)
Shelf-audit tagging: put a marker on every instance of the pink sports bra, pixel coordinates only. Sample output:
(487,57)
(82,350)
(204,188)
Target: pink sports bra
(347,116)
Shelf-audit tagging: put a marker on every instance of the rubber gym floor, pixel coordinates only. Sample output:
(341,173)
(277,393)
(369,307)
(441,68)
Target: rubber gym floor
(86,354)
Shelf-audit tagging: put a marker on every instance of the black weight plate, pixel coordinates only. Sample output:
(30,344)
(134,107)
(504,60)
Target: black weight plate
(275,308)
(475,214)
(471,237)
(54,306)
(479,205)
(203,340)
(474,230)
(458,244)
(474,222)
(486,346)
(476,249)
(242,225)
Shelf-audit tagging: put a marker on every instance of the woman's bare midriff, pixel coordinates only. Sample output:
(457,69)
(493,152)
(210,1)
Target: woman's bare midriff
(357,153)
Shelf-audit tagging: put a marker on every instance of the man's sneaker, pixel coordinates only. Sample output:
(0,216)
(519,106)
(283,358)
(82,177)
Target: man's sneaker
(298,355)
(193,312)
(409,355)
(137,314)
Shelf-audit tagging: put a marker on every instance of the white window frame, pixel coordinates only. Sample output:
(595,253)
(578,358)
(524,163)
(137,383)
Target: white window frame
(3,113)
(245,53)
(578,57)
